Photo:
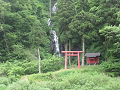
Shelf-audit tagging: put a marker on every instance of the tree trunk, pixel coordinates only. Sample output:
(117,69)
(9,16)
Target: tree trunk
(107,49)
(69,50)
(39,59)
(83,53)
(88,48)
(66,46)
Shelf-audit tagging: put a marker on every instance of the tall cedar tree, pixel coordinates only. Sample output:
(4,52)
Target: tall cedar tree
(112,43)
(82,25)
(37,37)
(64,15)
(107,12)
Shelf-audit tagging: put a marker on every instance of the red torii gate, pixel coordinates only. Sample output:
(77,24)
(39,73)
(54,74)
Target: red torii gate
(72,55)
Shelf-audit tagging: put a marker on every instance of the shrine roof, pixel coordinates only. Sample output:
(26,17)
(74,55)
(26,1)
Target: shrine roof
(92,54)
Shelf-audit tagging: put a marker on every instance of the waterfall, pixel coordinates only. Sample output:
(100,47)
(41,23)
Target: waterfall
(54,43)
(49,22)
(54,46)
(54,8)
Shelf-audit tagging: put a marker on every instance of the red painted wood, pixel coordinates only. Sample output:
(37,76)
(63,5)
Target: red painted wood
(66,60)
(72,51)
(92,60)
(72,54)
(78,60)
(78,55)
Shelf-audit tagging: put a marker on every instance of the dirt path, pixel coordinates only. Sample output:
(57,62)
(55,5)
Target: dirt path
(24,78)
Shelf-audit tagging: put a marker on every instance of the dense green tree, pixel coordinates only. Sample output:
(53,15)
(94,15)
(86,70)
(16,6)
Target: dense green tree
(93,3)
(107,11)
(82,5)
(82,25)
(112,46)
(45,4)
(4,9)
(17,18)
(38,37)
(111,34)
(64,15)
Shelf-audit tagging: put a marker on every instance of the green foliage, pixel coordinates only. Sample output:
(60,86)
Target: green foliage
(23,26)
(17,68)
(107,9)
(23,85)
(53,63)
(111,34)
(16,71)
(82,5)
(94,3)
(37,35)
(45,4)
(88,78)
(112,67)
(63,17)
(4,80)
(18,19)
(95,47)
(83,24)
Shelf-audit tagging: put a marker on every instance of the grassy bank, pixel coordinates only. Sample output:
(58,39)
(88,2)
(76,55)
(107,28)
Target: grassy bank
(86,78)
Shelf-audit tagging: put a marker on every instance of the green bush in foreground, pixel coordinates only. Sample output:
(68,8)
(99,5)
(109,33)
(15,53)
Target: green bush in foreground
(52,64)
(4,80)
(26,67)
(23,85)
(2,86)
(71,79)
(76,80)
(112,67)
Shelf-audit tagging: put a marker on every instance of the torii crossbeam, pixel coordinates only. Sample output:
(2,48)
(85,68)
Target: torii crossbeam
(73,53)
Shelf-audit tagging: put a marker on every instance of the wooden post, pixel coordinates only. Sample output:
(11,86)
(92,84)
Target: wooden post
(66,60)
(69,50)
(78,60)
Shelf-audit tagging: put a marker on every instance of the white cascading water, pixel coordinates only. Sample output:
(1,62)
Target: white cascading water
(53,33)
(57,51)
(54,8)
(49,22)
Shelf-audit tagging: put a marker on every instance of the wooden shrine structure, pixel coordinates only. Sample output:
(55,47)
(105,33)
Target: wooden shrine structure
(72,53)
(92,58)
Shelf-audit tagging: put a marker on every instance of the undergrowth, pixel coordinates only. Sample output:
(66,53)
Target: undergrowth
(87,78)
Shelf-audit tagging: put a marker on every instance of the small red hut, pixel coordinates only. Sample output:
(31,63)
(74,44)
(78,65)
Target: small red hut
(92,58)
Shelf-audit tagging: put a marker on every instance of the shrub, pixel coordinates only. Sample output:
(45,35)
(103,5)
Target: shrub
(16,71)
(18,68)
(2,86)
(4,80)
(23,85)
(33,86)
(30,67)
(112,67)
(52,64)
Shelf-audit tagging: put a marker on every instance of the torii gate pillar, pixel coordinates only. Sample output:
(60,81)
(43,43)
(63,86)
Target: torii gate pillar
(78,55)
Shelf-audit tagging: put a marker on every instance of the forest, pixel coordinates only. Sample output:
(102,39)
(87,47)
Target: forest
(90,26)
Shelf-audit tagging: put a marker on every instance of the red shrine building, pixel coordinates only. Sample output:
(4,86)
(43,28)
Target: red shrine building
(92,58)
